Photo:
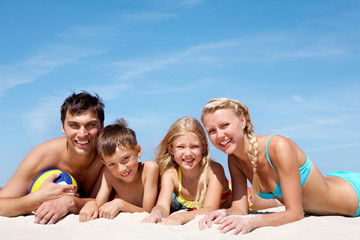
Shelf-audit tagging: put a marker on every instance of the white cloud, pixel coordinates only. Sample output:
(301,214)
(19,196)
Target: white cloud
(339,146)
(149,16)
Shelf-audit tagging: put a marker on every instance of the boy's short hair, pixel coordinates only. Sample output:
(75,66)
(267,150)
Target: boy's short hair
(81,102)
(115,135)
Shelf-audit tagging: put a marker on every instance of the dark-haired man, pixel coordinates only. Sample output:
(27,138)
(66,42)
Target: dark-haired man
(82,118)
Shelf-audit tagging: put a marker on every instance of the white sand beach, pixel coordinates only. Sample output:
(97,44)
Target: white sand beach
(129,226)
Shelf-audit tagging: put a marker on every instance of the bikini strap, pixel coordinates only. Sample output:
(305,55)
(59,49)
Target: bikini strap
(180,179)
(267,153)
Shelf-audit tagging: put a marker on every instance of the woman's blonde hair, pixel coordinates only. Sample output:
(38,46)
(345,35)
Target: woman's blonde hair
(166,160)
(240,110)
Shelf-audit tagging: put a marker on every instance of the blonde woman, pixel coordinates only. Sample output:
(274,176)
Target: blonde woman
(277,168)
(198,184)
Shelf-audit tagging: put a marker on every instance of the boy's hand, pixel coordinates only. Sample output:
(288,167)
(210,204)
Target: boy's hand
(88,212)
(111,209)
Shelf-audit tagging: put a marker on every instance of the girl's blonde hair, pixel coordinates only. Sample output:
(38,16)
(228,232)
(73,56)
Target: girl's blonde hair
(240,110)
(166,160)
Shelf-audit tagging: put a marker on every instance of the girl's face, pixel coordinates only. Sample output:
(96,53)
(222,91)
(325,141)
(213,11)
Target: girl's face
(123,164)
(225,130)
(187,150)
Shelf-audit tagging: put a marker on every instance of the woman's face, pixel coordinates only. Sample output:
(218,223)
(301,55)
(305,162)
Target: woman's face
(225,130)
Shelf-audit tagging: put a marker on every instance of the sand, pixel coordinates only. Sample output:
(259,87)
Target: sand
(129,226)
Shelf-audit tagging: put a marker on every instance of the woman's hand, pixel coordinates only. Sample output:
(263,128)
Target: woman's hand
(111,209)
(88,212)
(239,224)
(216,216)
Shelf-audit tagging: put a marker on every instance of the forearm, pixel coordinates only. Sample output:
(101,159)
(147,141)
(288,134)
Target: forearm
(236,211)
(11,207)
(275,219)
(159,211)
(130,208)
(190,215)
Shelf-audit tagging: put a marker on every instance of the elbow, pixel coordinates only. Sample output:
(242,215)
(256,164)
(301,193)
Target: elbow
(297,215)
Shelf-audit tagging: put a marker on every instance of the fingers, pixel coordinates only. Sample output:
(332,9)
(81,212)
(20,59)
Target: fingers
(232,223)
(52,177)
(46,216)
(150,219)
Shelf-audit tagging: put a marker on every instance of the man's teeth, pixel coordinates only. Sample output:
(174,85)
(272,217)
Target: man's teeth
(82,142)
(225,142)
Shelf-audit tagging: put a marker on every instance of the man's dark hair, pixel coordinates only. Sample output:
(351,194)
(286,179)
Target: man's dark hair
(81,102)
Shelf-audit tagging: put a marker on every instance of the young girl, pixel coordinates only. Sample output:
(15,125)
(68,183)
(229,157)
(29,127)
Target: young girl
(199,184)
(277,168)
(136,184)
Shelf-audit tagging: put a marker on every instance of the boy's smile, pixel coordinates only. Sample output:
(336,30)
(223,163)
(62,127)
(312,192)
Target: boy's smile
(123,164)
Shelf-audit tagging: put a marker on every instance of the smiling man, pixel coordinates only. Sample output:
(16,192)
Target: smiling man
(82,117)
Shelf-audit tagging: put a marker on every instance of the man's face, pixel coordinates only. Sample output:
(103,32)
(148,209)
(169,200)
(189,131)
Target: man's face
(82,131)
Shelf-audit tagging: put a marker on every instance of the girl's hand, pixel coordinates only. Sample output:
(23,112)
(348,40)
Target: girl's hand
(239,224)
(111,209)
(88,212)
(171,220)
(216,216)
(152,218)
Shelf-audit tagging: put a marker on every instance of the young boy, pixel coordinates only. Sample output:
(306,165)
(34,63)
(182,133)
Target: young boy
(136,184)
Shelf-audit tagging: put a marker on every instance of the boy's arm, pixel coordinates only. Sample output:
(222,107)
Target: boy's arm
(150,176)
(89,211)
(151,171)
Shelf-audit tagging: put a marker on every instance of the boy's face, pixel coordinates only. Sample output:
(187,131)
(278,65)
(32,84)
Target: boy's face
(82,131)
(123,164)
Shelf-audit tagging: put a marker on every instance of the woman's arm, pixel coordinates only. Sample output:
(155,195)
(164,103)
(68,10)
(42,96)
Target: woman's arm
(284,158)
(239,204)
(239,196)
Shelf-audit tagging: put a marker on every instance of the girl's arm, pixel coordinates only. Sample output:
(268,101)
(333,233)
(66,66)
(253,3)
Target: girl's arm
(284,158)
(239,196)
(212,198)
(162,208)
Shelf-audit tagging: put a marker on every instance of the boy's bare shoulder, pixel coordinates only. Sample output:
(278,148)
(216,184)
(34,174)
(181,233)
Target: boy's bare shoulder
(150,167)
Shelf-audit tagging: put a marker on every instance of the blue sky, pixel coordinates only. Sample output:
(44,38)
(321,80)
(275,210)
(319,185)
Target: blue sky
(295,64)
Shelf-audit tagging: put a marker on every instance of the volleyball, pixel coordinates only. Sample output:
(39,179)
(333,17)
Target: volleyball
(64,179)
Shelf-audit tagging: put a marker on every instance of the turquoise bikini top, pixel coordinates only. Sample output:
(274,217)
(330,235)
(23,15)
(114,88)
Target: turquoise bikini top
(304,173)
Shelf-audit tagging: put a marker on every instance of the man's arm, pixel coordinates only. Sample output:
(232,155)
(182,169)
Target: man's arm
(14,197)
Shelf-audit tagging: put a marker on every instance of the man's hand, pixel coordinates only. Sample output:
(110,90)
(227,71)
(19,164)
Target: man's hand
(51,211)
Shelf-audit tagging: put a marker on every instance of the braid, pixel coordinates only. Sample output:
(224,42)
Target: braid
(240,110)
